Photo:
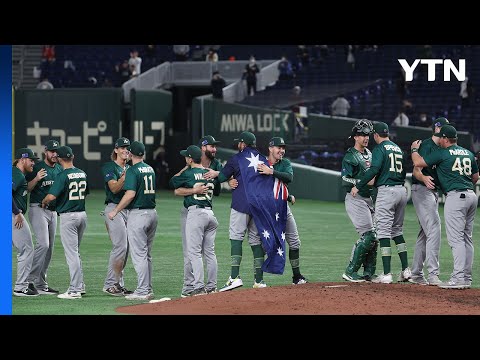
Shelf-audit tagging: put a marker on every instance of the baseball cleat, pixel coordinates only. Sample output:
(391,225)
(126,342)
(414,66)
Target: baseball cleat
(232,284)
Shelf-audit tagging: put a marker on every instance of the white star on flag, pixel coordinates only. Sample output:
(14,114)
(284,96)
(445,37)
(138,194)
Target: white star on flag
(280,251)
(254,161)
(283,236)
(277,216)
(266,234)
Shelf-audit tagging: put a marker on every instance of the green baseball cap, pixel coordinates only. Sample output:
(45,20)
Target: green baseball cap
(121,142)
(447,131)
(246,137)
(25,153)
(137,148)
(208,140)
(277,141)
(192,151)
(380,128)
(65,152)
(439,122)
(52,145)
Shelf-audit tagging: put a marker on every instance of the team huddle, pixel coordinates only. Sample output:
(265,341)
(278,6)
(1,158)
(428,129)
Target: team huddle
(439,164)
(58,188)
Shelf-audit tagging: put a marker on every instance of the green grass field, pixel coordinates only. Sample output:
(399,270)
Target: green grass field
(326,233)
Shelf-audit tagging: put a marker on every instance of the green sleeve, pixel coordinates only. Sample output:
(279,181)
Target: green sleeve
(374,169)
(57,187)
(283,171)
(283,176)
(178,181)
(130,180)
(347,174)
(434,158)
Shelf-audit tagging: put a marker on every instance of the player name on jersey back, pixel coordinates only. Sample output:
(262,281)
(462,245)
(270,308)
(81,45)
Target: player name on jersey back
(146,169)
(458,152)
(392,147)
(76,176)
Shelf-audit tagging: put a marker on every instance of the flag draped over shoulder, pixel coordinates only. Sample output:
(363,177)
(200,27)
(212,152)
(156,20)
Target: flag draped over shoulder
(268,205)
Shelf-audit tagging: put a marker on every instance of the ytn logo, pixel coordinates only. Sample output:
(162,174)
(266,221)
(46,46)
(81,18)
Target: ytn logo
(448,67)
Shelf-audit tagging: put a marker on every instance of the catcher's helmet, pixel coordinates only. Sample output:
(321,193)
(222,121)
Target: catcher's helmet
(362,127)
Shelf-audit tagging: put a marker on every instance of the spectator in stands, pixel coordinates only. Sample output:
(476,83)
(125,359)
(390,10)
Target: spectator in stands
(212,56)
(217,83)
(423,121)
(466,92)
(341,106)
(123,72)
(401,84)
(136,61)
(48,53)
(250,74)
(285,71)
(303,55)
(181,52)
(45,84)
(401,119)
(350,57)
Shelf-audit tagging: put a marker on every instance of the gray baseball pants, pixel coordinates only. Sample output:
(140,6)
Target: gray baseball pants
(291,231)
(459,212)
(427,247)
(239,224)
(141,227)
(72,227)
(200,232)
(44,225)
(188,278)
(390,210)
(22,240)
(360,210)
(117,231)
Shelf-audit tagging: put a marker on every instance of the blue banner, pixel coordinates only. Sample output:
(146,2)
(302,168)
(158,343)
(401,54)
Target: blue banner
(267,198)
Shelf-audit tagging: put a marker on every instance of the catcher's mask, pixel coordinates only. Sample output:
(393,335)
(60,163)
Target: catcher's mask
(362,127)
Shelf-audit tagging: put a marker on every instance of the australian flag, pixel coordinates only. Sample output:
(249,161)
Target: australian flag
(267,198)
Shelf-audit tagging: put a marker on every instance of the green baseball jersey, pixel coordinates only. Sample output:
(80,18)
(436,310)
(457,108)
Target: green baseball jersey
(70,188)
(455,166)
(426,147)
(354,166)
(217,166)
(283,171)
(141,179)
(191,178)
(40,190)
(112,171)
(387,164)
(19,189)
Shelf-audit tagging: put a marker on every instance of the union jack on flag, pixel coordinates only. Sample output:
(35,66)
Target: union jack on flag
(267,199)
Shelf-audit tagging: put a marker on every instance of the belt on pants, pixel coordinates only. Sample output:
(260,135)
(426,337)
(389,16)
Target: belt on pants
(199,207)
(40,205)
(398,185)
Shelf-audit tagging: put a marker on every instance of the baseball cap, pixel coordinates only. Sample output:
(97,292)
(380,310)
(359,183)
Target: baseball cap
(52,145)
(439,122)
(246,137)
(65,152)
(208,140)
(137,148)
(25,153)
(447,131)
(121,142)
(380,128)
(277,141)
(192,151)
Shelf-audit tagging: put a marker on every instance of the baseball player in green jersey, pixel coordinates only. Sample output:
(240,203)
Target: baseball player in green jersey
(21,234)
(388,167)
(114,177)
(208,144)
(69,190)
(457,173)
(43,221)
(142,220)
(425,185)
(201,224)
(282,170)
(360,208)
